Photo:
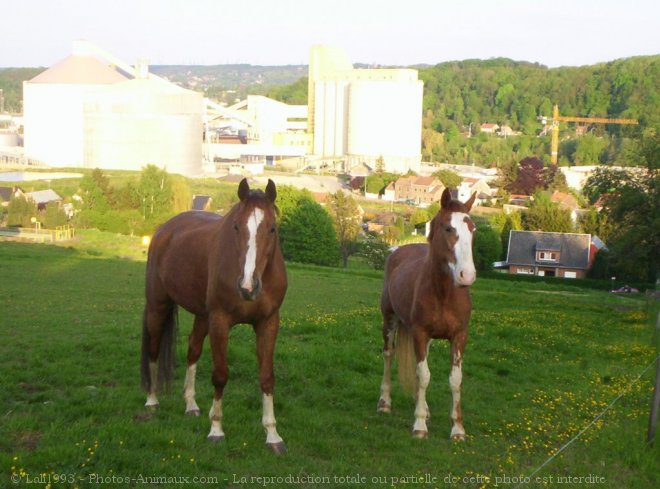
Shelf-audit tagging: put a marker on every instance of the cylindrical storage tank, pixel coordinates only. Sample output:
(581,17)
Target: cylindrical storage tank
(145,122)
(385,120)
(331,103)
(8,139)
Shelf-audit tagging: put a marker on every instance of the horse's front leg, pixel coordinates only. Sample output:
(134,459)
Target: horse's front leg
(218,336)
(195,345)
(455,379)
(421,343)
(266,332)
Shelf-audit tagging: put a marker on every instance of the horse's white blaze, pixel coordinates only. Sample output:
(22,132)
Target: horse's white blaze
(463,269)
(421,408)
(189,389)
(215,415)
(268,420)
(251,255)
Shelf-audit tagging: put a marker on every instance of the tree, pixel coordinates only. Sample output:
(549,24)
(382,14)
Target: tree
(20,211)
(633,210)
(375,184)
(530,176)
(503,224)
(375,251)
(308,236)
(288,200)
(545,215)
(419,216)
(155,193)
(95,191)
(449,178)
(346,219)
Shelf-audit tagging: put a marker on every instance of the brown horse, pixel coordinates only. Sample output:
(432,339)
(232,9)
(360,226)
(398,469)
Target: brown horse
(426,296)
(224,270)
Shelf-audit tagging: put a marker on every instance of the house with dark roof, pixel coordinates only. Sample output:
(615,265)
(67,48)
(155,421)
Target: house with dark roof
(44,197)
(6,194)
(567,255)
(201,202)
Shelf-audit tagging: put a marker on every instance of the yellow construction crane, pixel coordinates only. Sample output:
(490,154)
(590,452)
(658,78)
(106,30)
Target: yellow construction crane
(556,119)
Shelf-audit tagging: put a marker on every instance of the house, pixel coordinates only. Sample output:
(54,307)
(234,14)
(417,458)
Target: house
(44,197)
(201,202)
(422,191)
(389,194)
(489,128)
(6,194)
(470,185)
(567,255)
(506,131)
(567,202)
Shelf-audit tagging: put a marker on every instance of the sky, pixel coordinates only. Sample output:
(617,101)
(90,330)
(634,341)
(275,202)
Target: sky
(376,32)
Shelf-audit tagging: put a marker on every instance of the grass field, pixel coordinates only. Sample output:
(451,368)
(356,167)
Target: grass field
(543,361)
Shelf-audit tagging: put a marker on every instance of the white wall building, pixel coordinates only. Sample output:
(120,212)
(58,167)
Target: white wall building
(364,115)
(83,113)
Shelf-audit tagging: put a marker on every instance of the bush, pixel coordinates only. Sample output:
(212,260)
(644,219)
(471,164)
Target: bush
(487,247)
(374,251)
(308,235)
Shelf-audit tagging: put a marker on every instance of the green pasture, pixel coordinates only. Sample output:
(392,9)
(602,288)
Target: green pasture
(544,360)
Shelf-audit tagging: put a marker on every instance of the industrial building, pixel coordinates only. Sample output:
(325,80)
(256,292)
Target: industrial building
(87,113)
(364,116)
(93,110)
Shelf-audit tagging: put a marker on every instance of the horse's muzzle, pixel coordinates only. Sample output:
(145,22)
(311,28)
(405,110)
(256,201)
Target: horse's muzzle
(251,291)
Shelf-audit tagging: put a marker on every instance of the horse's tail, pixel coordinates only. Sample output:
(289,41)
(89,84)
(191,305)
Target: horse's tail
(166,350)
(405,358)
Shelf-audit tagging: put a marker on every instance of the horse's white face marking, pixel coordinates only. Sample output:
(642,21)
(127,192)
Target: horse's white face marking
(251,255)
(463,269)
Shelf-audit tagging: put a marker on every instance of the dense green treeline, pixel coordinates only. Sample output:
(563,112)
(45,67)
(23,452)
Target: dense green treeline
(11,84)
(459,96)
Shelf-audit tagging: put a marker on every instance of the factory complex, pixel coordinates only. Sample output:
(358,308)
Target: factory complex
(93,110)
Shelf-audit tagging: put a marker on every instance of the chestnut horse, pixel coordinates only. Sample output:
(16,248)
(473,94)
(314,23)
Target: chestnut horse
(224,270)
(426,296)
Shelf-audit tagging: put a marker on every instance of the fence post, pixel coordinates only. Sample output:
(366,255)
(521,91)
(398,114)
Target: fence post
(655,403)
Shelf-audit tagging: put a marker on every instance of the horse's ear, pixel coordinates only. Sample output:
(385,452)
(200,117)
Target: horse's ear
(429,238)
(445,200)
(468,204)
(243,189)
(271,192)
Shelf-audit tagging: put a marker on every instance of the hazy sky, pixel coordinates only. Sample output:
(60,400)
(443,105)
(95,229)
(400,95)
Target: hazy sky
(277,32)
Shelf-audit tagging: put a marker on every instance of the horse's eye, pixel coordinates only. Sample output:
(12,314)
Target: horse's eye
(449,229)
(272,229)
(235,227)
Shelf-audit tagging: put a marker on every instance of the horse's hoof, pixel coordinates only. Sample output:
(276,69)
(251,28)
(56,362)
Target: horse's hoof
(193,412)
(277,448)
(152,407)
(458,437)
(420,435)
(215,438)
(383,407)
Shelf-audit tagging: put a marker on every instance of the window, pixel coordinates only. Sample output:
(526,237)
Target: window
(547,256)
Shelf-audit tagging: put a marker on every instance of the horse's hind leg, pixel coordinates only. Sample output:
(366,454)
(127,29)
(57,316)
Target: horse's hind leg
(390,322)
(195,344)
(155,318)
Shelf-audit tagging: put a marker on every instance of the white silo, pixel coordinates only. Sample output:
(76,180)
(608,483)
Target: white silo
(384,121)
(53,108)
(144,121)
